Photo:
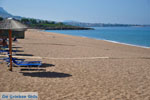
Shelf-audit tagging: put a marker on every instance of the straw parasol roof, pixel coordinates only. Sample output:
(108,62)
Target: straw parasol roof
(12,24)
(15,26)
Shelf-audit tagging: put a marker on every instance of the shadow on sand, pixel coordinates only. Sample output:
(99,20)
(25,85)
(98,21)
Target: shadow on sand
(44,65)
(16,47)
(24,55)
(39,69)
(43,74)
(46,74)
(51,44)
(17,51)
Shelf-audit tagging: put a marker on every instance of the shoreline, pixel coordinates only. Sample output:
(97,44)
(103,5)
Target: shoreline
(126,44)
(103,40)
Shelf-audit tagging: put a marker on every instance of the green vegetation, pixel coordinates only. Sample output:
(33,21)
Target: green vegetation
(41,23)
(44,24)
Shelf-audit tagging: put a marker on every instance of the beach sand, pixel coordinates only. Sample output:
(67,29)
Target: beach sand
(77,68)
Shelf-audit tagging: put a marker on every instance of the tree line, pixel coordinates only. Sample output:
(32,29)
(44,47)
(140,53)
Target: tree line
(34,21)
(49,25)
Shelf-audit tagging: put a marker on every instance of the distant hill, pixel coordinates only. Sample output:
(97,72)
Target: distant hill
(83,24)
(4,13)
(56,25)
(41,24)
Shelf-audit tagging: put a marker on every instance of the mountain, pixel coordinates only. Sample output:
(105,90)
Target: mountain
(5,14)
(41,24)
(79,25)
(83,24)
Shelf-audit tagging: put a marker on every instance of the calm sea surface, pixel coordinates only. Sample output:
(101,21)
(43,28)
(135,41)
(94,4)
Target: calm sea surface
(137,36)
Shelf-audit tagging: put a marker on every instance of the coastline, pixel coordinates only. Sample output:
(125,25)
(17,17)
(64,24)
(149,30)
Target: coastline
(105,40)
(62,28)
(78,68)
(126,44)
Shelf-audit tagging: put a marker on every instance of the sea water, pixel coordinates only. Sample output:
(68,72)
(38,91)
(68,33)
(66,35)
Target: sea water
(136,36)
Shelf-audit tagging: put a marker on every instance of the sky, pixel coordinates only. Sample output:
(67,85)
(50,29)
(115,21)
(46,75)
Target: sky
(93,11)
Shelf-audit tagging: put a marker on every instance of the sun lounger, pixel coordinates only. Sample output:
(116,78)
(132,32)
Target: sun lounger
(6,59)
(26,63)
(6,51)
(3,51)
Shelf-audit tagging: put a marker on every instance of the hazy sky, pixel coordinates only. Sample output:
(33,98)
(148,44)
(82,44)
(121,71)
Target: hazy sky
(106,11)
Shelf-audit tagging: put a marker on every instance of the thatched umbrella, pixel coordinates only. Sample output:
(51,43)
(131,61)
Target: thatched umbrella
(11,25)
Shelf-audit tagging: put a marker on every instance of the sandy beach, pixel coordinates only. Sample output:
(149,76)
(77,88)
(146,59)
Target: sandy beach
(77,68)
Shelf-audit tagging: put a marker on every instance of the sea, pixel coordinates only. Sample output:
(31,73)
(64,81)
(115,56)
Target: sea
(135,36)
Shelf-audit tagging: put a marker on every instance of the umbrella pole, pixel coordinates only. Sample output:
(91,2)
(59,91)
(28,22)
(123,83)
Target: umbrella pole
(10,49)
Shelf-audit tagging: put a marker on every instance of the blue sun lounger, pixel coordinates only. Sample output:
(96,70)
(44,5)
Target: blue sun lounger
(7,51)
(6,59)
(26,63)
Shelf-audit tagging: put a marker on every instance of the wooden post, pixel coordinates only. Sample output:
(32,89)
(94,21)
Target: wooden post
(10,49)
